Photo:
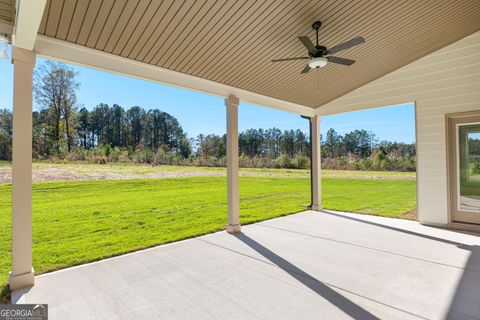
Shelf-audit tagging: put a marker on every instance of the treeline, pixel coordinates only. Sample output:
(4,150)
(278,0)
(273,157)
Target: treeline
(64,131)
(257,148)
(113,134)
(361,150)
(356,150)
(134,128)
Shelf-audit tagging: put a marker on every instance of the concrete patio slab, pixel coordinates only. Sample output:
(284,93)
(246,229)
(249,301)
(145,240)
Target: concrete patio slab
(310,265)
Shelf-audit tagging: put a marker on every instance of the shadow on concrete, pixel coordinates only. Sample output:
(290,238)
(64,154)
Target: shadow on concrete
(344,304)
(18,296)
(413,233)
(465,303)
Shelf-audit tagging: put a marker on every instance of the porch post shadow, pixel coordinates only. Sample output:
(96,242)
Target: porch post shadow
(353,310)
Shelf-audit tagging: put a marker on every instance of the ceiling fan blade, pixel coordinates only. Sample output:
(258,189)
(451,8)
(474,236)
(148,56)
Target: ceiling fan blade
(345,62)
(306,69)
(346,45)
(289,59)
(308,44)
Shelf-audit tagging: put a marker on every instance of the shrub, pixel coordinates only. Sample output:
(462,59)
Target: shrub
(378,158)
(385,164)
(148,158)
(5,146)
(476,167)
(302,162)
(243,161)
(131,153)
(115,154)
(107,150)
(283,162)
(366,164)
(79,154)
(159,157)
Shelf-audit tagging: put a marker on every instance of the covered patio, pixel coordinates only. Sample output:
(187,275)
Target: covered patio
(308,265)
(316,263)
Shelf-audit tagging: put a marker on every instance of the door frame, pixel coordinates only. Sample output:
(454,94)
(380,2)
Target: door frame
(451,125)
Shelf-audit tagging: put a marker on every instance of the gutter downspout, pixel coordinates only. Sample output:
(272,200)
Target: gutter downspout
(311,164)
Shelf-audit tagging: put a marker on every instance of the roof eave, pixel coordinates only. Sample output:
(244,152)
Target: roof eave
(65,51)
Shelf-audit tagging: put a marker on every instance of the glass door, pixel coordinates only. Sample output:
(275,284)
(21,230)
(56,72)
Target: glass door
(465,169)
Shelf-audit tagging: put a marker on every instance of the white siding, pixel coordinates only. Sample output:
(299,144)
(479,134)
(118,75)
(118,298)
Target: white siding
(447,81)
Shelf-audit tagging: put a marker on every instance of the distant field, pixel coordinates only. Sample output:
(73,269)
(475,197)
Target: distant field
(79,221)
(67,172)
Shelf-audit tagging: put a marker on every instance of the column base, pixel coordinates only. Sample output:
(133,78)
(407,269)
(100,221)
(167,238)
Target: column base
(316,207)
(23,280)
(233,228)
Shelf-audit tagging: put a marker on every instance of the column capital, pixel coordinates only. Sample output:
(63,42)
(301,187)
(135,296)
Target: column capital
(24,55)
(232,100)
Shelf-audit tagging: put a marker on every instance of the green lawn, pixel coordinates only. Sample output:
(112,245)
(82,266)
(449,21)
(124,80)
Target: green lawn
(77,222)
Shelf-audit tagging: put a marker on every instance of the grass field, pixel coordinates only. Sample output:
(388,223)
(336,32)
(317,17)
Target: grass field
(79,221)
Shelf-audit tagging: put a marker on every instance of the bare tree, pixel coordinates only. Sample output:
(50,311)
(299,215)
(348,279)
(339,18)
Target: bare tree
(55,91)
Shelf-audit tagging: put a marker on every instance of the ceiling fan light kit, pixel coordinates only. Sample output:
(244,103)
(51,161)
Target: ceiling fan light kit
(317,63)
(319,55)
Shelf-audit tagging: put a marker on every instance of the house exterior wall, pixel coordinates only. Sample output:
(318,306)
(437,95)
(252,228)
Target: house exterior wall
(446,81)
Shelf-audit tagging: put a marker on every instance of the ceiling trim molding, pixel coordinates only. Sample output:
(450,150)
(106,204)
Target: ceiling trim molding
(68,52)
(27,21)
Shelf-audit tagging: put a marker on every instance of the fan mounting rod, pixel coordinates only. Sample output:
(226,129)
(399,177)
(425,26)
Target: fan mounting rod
(316,26)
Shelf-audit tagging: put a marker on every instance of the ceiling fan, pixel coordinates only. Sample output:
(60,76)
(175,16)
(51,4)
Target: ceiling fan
(319,55)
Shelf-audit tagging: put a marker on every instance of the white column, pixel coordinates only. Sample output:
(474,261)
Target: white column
(22,274)
(316,165)
(233,225)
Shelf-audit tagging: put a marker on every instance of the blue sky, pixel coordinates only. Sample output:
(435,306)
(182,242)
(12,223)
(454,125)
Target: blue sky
(201,113)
